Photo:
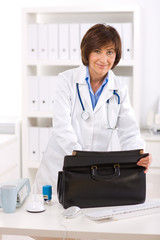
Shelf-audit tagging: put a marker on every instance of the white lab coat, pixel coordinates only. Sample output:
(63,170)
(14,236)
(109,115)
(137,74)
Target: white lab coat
(71,132)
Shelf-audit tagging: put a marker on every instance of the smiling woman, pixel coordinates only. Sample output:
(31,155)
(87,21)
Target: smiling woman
(101,52)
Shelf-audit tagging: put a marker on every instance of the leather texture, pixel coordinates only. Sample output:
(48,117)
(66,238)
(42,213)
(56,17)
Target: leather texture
(98,179)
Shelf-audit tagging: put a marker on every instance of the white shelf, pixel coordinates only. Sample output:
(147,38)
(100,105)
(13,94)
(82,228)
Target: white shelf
(53,62)
(122,63)
(83,9)
(33,165)
(40,115)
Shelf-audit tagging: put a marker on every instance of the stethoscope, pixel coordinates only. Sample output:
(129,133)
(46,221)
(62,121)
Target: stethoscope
(85,115)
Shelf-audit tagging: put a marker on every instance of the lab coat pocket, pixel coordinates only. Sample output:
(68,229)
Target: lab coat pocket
(112,113)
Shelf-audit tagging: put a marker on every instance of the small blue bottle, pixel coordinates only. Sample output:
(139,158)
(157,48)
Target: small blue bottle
(47,194)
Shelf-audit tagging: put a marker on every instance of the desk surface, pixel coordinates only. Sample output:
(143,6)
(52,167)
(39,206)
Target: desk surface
(51,224)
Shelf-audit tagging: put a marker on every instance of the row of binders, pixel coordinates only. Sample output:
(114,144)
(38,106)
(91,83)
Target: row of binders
(38,141)
(42,92)
(62,41)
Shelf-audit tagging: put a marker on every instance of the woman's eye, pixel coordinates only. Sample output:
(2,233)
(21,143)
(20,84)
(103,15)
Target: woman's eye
(110,52)
(97,51)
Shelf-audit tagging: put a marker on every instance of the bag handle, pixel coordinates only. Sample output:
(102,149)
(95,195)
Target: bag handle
(98,177)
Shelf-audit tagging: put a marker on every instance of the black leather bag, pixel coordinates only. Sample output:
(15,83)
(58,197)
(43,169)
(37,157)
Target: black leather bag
(98,179)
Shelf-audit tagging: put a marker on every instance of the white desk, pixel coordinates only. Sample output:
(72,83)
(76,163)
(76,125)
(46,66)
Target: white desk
(50,224)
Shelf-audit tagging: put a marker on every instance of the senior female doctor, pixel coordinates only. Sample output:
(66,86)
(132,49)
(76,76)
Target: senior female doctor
(90,104)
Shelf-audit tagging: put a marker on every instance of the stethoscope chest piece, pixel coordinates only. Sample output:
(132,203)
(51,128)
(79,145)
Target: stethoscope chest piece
(85,115)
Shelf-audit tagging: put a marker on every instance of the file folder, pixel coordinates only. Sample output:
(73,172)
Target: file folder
(64,41)
(23,189)
(42,41)
(127,41)
(129,82)
(53,41)
(44,93)
(74,41)
(52,91)
(118,27)
(34,144)
(32,41)
(83,29)
(33,93)
(43,140)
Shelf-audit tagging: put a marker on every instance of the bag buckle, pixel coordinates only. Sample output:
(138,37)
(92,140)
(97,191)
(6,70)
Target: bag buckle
(94,167)
(116,165)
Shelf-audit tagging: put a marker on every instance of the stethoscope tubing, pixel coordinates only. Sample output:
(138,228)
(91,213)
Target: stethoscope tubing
(84,113)
(79,96)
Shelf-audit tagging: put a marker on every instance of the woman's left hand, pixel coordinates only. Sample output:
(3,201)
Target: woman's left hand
(145,162)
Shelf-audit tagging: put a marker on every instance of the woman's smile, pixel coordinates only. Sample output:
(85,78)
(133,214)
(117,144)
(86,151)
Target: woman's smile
(102,65)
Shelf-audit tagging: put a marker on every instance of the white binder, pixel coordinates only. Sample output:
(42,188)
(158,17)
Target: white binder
(33,144)
(83,29)
(50,129)
(129,82)
(118,27)
(127,41)
(43,94)
(43,140)
(42,41)
(53,41)
(33,93)
(32,41)
(74,42)
(63,41)
(52,90)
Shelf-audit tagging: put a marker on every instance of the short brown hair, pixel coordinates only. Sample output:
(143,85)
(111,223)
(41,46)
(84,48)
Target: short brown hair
(98,36)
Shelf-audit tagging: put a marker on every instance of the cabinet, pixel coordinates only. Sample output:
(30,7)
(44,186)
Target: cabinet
(40,65)
(153,176)
(10,151)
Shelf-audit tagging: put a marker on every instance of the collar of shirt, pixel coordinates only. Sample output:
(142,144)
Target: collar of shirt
(95,97)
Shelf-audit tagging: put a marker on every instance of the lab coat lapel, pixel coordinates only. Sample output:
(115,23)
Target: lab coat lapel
(107,91)
(105,95)
(83,88)
(86,99)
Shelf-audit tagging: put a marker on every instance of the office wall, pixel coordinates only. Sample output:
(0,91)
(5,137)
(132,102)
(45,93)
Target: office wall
(10,50)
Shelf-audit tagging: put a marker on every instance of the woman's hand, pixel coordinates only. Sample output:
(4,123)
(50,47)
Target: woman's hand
(145,162)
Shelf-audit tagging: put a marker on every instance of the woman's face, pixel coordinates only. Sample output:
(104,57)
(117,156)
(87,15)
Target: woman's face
(101,61)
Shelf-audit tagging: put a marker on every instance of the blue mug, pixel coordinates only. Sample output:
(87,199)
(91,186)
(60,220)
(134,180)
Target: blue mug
(8,195)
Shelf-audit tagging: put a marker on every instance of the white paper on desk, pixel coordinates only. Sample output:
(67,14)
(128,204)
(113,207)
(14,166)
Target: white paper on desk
(64,41)
(34,144)
(74,42)
(42,41)
(127,41)
(53,41)
(33,93)
(32,41)
(44,93)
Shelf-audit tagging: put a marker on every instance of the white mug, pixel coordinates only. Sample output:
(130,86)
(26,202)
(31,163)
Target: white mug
(8,195)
